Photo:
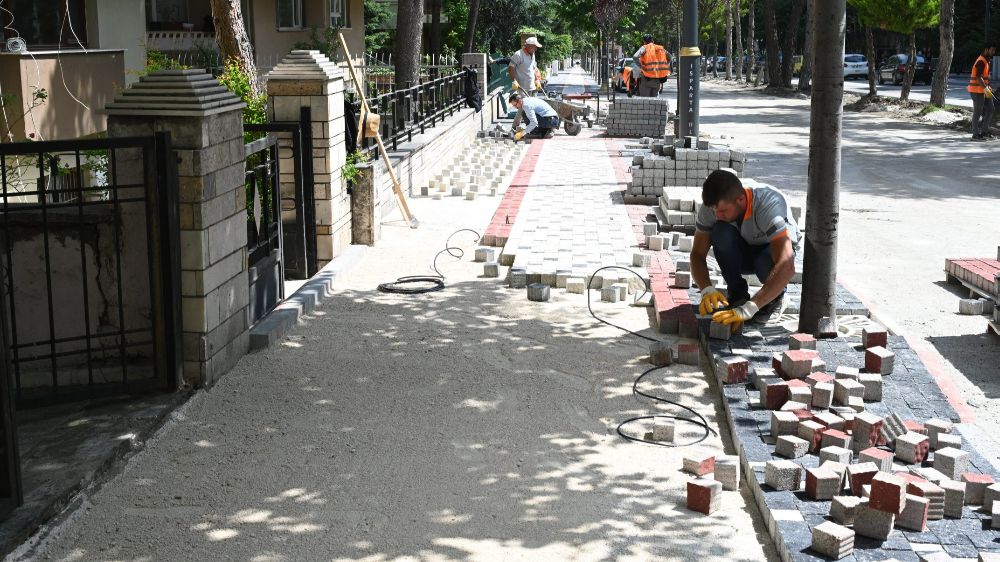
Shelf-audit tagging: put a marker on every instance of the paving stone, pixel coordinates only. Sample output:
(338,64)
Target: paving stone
(732,370)
(485,254)
(872,523)
(797,364)
(538,292)
(699,463)
(859,475)
(518,278)
(843,372)
(783,475)
(822,484)
(719,331)
(829,420)
(954,498)
(892,425)
(975,487)
(835,438)
(914,515)
(879,360)
(945,440)
(911,448)
(663,430)
(872,383)
(834,453)
(951,462)
(991,495)
(880,457)
(874,335)
(935,427)
(688,353)
(888,493)
(791,447)
(801,341)
(575,285)
(812,433)
(727,471)
(843,509)
(704,495)
(491,269)
(845,389)
(609,294)
(867,430)
(822,395)
(784,423)
(833,540)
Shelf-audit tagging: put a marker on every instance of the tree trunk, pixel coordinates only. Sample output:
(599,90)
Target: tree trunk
(808,47)
(470,28)
(819,268)
(788,47)
(939,86)
(870,55)
(738,36)
(409,32)
(231,36)
(911,65)
(729,39)
(771,44)
(434,39)
(751,40)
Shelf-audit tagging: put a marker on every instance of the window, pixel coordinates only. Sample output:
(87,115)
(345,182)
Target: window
(289,14)
(339,16)
(42,23)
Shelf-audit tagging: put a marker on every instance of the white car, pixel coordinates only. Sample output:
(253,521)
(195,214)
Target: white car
(855,65)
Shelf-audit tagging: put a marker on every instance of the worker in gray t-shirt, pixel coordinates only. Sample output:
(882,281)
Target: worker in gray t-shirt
(752,230)
(523,70)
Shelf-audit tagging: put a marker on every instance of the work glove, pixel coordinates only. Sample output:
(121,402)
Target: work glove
(711,299)
(989,93)
(519,135)
(736,316)
(538,84)
(515,86)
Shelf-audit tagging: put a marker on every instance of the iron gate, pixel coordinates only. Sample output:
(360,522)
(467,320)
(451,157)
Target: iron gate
(298,212)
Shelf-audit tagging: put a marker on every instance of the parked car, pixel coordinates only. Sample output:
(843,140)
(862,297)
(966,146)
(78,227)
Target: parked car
(710,63)
(855,66)
(893,69)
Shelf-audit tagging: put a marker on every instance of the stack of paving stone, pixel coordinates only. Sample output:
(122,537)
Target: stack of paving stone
(638,117)
(679,205)
(485,167)
(668,163)
(982,278)
(880,476)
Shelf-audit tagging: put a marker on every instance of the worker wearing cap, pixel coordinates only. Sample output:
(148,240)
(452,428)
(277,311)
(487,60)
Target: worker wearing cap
(752,230)
(542,119)
(523,70)
(654,62)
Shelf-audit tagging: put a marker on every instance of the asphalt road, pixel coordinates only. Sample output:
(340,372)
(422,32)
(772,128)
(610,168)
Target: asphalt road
(919,92)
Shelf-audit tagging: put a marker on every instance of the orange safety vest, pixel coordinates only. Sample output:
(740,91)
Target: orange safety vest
(654,62)
(974,86)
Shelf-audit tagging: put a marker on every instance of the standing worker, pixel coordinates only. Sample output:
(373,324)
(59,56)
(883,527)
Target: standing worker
(982,95)
(752,231)
(523,70)
(654,62)
(542,119)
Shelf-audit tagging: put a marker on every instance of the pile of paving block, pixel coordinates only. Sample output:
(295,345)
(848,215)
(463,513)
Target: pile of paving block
(658,164)
(982,278)
(485,167)
(872,473)
(679,205)
(638,117)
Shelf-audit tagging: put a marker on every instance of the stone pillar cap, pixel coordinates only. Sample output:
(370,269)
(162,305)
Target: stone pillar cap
(305,65)
(175,93)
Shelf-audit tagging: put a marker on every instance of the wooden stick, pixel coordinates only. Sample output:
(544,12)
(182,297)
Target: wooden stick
(407,215)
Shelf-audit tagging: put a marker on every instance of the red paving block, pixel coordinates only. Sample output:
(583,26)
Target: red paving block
(879,360)
(735,370)
(860,475)
(817,378)
(704,495)
(775,395)
(776,365)
(801,341)
(888,493)
(797,363)
(915,427)
(872,336)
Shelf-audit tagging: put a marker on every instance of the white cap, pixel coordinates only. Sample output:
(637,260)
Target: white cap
(533,41)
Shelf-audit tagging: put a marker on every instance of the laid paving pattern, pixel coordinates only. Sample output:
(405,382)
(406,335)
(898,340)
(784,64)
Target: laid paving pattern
(568,219)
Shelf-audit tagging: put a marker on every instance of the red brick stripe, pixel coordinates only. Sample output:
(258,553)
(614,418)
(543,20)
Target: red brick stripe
(503,219)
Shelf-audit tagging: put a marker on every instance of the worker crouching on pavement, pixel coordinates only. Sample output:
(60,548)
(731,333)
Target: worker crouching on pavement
(542,119)
(752,231)
(654,62)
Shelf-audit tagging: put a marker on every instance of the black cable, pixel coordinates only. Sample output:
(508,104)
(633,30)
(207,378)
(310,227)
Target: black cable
(426,283)
(699,420)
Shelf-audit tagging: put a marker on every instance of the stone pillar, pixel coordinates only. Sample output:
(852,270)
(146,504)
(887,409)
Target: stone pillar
(205,122)
(365,213)
(310,79)
(477,62)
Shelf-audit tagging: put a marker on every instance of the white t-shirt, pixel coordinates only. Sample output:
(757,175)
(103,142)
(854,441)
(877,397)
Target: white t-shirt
(524,69)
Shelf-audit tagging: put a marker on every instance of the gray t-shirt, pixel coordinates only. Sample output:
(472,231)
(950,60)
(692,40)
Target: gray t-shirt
(768,216)
(524,69)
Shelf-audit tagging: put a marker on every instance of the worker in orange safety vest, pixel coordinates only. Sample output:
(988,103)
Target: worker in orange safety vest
(654,61)
(982,95)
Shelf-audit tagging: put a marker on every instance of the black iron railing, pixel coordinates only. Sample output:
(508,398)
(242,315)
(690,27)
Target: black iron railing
(264,235)
(89,248)
(413,109)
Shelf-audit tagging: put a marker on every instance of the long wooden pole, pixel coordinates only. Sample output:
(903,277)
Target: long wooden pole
(396,188)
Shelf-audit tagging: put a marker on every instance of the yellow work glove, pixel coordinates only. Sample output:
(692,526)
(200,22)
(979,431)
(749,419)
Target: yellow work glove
(515,86)
(736,316)
(989,93)
(538,84)
(711,299)
(519,135)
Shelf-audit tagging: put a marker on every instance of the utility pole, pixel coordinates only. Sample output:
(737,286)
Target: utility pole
(688,79)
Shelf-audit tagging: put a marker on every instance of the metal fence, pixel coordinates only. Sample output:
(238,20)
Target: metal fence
(264,235)
(90,261)
(413,109)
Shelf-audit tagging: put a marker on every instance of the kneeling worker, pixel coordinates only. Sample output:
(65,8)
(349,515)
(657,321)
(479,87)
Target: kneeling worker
(542,119)
(752,231)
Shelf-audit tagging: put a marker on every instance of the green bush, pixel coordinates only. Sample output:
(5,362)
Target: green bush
(238,82)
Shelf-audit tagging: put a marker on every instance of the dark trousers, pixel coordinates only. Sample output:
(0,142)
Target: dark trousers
(736,257)
(545,124)
(982,114)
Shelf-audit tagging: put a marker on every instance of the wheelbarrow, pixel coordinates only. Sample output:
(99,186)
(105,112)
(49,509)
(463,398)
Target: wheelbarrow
(571,114)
